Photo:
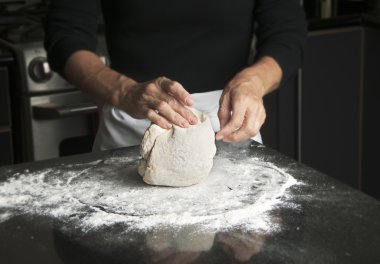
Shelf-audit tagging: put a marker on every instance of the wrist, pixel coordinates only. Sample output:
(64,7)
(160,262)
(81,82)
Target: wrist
(265,73)
(119,86)
(108,86)
(250,80)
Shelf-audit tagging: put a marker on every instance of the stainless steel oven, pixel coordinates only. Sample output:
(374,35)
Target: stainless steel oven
(58,125)
(50,117)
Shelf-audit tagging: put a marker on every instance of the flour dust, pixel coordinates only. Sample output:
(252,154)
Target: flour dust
(109,192)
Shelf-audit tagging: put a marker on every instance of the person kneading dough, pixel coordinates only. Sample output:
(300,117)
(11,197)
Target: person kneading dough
(178,156)
(220,57)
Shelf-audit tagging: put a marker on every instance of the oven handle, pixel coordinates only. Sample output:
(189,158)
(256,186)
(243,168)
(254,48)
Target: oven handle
(54,111)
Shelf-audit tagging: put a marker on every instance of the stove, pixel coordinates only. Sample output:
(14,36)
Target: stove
(51,118)
(21,31)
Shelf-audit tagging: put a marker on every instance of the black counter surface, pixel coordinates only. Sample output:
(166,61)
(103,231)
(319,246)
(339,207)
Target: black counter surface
(331,223)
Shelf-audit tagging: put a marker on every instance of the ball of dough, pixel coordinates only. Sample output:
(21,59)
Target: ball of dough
(178,156)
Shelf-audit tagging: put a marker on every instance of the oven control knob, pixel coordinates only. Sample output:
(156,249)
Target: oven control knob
(39,70)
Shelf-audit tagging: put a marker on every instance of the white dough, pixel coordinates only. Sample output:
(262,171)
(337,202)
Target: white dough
(177,156)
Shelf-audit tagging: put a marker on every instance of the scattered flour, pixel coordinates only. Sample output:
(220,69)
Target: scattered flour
(108,192)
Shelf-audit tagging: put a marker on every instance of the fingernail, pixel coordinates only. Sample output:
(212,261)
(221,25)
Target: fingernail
(218,137)
(193,120)
(184,123)
(168,126)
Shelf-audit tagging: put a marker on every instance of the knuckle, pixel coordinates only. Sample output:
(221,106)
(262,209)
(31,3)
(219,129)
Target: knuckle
(177,118)
(245,100)
(223,112)
(171,101)
(160,121)
(234,137)
(235,124)
(188,113)
(160,79)
(161,105)
(172,87)
(144,98)
(223,116)
(151,114)
(223,109)
(174,83)
(172,90)
(151,87)
(251,131)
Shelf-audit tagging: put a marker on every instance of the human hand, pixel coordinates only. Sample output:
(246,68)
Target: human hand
(162,101)
(241,110)
(241,245)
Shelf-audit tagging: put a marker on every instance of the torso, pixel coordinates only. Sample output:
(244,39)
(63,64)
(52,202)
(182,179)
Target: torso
(201,44)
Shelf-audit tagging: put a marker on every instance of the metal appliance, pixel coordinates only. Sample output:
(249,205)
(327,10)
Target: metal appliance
(51,117)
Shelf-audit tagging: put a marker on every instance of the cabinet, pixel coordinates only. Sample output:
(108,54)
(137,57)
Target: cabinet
(371,99)
(327,117)
(331,103)
(5,147)
(280,130)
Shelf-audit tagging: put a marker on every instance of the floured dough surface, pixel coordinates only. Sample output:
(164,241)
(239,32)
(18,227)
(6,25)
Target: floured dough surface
(178,156)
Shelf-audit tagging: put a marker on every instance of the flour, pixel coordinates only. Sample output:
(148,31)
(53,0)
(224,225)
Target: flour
(236,194)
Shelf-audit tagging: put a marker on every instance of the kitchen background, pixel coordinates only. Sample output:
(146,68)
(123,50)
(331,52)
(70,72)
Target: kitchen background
(325,117)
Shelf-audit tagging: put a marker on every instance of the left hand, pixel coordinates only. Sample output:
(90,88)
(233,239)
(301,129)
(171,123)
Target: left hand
(241,111)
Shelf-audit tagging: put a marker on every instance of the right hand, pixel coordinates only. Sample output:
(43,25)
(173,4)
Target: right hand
(162,101)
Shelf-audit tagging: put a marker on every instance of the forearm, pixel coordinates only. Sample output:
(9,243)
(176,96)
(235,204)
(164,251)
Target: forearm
(86,71)
(266,74)
(281,33)
(161,100)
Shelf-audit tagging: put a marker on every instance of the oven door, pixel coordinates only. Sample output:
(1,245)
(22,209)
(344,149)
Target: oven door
(61,124)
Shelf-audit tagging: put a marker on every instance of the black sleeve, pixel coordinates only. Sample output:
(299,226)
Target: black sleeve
(281,33)
(70,25)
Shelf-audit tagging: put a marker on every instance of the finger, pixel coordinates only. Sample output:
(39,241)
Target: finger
(158,119)
(250,128)
(246,131)
(172,116)
(176,90)
(186,113)
(162,255)
(235,122)
(178,107)
(224,112)
(184,257)
(162,96)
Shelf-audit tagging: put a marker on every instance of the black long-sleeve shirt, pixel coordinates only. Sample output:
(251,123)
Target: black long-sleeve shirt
(200,43)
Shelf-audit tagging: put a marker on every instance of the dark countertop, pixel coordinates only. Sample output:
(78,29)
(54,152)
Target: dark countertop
(329,223)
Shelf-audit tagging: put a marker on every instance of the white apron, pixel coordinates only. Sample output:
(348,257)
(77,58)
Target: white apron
(118,129)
